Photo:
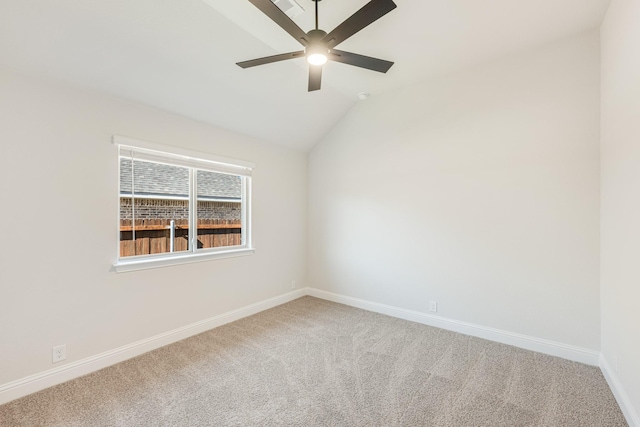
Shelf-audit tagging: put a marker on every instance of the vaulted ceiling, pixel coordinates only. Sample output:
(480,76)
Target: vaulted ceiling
(180,55)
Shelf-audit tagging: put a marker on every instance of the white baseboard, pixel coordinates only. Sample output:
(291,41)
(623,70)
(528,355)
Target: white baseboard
(621,396)
(51,377)
(553,348)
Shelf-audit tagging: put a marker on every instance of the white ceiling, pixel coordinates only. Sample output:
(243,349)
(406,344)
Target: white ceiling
(180,55)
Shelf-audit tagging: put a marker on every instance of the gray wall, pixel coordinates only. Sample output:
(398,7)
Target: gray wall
(57,285)
(620,166)
(479,190)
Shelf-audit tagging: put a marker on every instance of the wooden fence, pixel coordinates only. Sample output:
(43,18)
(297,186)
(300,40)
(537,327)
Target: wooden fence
(153,236)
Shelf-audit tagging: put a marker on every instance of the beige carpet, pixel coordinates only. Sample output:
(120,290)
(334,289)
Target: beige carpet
(315,363)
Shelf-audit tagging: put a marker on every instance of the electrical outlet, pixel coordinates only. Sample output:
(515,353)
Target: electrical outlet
(59,353)
(293,284)
(433,306)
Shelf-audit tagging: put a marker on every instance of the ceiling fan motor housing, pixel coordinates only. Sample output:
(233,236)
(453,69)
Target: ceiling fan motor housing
(316,35)
(316,45)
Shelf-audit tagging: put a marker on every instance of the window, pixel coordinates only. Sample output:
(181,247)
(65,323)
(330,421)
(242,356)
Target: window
(177,206)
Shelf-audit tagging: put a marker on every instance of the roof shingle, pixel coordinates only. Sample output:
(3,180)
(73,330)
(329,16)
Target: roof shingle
(167,180)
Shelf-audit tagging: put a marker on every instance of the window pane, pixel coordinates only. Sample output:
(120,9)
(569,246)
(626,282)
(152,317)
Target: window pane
(219,209)
(154,217)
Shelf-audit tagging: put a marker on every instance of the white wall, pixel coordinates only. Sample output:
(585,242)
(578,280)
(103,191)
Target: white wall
(479,190)
(59,220)
(620,165)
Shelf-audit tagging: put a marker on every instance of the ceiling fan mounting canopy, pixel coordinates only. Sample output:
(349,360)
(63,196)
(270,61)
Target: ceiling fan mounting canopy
(319,45)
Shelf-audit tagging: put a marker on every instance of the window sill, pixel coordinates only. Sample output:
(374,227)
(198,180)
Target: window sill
(123,266)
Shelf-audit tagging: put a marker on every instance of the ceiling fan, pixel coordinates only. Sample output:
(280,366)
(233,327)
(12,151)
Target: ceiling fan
(319,46)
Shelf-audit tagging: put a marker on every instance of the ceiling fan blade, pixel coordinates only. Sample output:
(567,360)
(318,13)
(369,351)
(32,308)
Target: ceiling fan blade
(279,17)
(270,59)
(369,13)
(315,77)
(361,61)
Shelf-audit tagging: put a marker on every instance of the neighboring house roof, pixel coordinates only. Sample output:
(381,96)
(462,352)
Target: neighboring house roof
(173,181)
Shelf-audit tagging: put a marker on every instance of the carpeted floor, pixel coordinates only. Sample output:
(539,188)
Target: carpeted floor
(316,363)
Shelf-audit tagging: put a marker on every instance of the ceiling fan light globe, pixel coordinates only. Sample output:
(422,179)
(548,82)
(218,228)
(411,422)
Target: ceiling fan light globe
(317,59)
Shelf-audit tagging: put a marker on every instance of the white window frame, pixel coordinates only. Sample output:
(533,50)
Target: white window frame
(194,160)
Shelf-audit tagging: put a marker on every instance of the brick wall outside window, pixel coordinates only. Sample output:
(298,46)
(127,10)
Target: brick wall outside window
(178,209)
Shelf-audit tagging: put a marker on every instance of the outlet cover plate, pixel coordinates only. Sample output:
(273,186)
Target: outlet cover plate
(59,353)
(433,306)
